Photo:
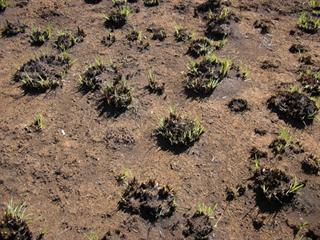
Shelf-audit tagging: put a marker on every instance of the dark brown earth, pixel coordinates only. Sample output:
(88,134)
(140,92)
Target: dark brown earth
(68,172)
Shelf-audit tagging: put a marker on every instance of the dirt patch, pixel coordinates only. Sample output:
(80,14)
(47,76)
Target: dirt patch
(148,200)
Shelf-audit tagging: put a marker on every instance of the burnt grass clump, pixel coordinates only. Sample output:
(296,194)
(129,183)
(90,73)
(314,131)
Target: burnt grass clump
(264,25)
(149,200)
(151,3)
(38,37)
(116,234)
(209,5)
(14,228)
(109,39)
(310,80)
(238,105)
(200,47)
(204,76)
(93,79)
(67,40)
(274,189)
(13,28)
(198,227)
(117,18)
(43,73)
(117,95)
(311,165)
(159,33)
(219,25)
(234,193)
(14,224)
(293,107)
(92,1)
(177,133)
(182,35)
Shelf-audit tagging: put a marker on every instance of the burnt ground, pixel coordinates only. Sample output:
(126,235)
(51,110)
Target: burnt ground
(66,172)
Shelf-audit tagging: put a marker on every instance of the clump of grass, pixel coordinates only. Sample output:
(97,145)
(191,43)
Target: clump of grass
(151,3)
(154,86)
(282,142)
(310,80)
(109,39)
(117,19)
(91,236)
(199,47)
(245,72)
(315,5)
(123,176)
(308,23)
(176,130)
(204,76)
(119,2)
(14,224)
(13,28)
(3,5)
(134,35)
(206,210)
(90,80)
(118,94)
(39,37)
(182,35)
(43,73)
(39,122)
(67,40)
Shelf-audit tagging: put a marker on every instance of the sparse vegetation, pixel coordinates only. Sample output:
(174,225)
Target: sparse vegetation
(204,76)
(154,86)
(308,23)
(151,3)
(39,122)
(14,224)
(117,19)
(182,35)
(13,28)
(149,200)
(3,5)
(43,73)
(39,37)
(91,79)
(109,39)
(134,35)
(179,131)
(67,40)
(118,94)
